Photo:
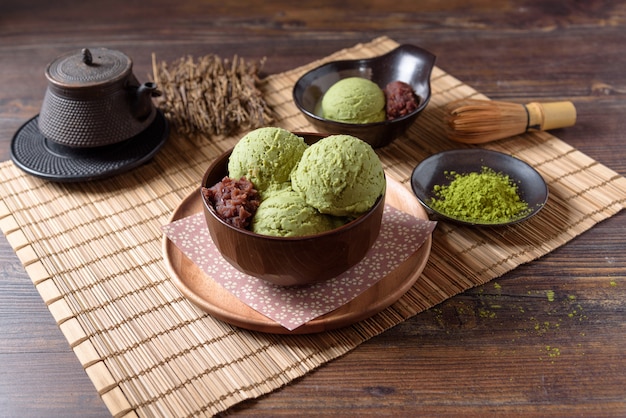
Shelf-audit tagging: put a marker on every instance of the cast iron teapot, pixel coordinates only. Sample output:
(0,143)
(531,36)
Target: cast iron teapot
(93,99)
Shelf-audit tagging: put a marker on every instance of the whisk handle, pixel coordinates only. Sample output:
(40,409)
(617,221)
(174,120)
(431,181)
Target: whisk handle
(546,116)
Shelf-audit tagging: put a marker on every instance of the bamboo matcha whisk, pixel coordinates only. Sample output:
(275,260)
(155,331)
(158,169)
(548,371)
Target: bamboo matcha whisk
(473,121)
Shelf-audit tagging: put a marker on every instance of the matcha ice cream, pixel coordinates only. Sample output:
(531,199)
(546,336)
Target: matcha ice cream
(354,100)
(286,214)
(266,156)
(339,175)
(305,189)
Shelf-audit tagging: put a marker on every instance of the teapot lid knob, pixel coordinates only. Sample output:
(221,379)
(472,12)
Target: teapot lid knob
(87,57)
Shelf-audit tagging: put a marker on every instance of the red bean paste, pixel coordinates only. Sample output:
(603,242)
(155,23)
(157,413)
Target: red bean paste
(235,201)
(400,99)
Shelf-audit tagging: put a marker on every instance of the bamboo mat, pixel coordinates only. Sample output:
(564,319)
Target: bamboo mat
(93,251)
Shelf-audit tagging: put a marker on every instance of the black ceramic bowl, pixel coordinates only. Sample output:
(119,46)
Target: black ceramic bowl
(432,171)
(407,63)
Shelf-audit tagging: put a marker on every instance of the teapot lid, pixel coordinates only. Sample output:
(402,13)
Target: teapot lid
(89,67)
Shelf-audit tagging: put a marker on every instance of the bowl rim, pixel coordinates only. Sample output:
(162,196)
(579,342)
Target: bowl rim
(362,61)
(475,153)
(349,225)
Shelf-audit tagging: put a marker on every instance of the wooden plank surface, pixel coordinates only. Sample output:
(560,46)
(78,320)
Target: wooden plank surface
(545,339)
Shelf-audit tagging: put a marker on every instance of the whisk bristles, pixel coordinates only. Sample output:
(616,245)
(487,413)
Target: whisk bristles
(473,121)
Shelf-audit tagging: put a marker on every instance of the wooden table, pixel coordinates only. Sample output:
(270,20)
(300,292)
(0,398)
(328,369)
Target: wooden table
(546,339)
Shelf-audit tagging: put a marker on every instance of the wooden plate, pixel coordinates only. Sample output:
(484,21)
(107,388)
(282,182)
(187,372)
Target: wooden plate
(211,297)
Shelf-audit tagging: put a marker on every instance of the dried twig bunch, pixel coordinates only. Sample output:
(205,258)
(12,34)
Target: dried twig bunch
(211,95)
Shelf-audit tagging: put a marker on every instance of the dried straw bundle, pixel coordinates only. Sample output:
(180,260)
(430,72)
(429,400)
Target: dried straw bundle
(211,95)
(474,121)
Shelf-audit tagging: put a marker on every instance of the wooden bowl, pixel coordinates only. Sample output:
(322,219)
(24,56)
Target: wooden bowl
(407,63)
(289,261)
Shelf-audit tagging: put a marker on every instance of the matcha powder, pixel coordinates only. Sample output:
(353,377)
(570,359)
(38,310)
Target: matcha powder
(485,197)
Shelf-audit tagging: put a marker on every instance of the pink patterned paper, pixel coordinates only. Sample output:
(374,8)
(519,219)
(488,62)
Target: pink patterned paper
(400,236)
